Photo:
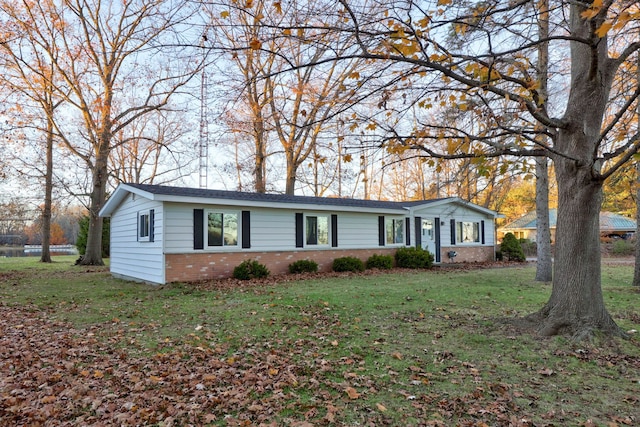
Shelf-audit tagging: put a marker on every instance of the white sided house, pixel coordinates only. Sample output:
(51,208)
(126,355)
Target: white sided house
(162,234)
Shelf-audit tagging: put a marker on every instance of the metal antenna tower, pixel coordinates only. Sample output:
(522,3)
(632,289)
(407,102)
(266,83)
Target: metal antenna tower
(204,126)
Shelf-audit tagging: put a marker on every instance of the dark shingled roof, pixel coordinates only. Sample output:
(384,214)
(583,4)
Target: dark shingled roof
(274,198)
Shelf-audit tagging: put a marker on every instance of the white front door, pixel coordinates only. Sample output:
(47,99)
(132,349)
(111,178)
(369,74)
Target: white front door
(428,236)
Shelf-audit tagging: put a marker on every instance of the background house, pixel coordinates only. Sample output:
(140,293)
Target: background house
(611,225)
(162,234)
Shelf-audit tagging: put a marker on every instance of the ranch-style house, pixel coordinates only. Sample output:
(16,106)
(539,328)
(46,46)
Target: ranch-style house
(162,234)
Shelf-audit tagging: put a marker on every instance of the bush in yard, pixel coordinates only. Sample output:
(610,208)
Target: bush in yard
(81,240)
(414,258)
(250,269)
(511,248)
(348,263)
(303,266)
(622,247)
(383,262)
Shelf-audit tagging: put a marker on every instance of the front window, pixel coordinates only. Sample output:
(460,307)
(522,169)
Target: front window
(394,231)
(317,230)
(144,226)
(222,229)
(467,232)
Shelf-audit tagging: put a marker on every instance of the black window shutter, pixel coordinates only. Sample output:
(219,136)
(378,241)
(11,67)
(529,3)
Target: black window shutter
(482,231)
(152,218)
(246,229)
(381,238)
(407,225)
(436,230)
(418,225)
(299,230)
(453,231)
(138,226)
(334,231)
(198,229)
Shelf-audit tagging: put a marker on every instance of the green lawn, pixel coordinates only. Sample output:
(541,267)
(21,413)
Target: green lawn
(418,348)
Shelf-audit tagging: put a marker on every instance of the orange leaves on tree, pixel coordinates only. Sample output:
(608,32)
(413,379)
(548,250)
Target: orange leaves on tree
(626,17)
(424,22)
(401,43)
(444,2)
(461,29)
(618,23)
(593,10)
(438,57)
(278,7)
(604,29)
(255,44)
(224,14)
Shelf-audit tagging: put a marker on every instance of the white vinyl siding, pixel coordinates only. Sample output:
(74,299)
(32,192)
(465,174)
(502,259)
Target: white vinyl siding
(271,229)
(357,231)
(458,213)
(142,260)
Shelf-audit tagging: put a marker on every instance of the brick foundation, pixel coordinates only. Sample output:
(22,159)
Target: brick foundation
(203,266)
(468,254)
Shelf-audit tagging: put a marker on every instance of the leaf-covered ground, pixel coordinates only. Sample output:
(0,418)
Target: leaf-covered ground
(53,373)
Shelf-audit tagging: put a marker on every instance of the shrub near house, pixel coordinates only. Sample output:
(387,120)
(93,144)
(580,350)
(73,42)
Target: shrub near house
(511,249)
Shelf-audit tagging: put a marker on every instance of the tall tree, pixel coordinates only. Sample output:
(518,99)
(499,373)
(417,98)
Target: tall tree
(492,67)
(294,109)
(238,31)
(543,229)
(102,52)
(636,269)
(31,77)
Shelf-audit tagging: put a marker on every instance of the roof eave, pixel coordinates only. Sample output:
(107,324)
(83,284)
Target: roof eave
(276,204)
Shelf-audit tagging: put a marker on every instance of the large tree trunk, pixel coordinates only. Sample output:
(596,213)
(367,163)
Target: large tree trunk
(260,159)
(636,268)
(543,232)
(93,254)
(291,170)
(576,306)
(48,190)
